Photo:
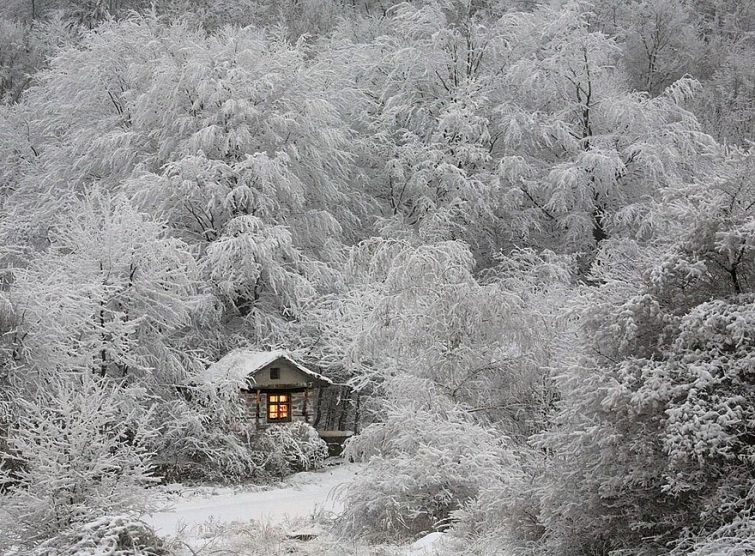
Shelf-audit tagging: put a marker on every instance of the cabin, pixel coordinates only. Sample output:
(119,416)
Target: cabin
(277,389)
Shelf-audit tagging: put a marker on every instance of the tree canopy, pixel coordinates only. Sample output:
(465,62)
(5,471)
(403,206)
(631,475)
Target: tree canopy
(519,235)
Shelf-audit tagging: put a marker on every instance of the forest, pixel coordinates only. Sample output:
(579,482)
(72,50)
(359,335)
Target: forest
(518,235)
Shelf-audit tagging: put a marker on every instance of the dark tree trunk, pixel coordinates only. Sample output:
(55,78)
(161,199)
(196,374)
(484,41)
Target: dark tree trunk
(343,411)
(357,412)
(598,231)
(318,408)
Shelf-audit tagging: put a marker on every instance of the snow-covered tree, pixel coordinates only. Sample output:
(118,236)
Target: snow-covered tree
(650,446)
(582,152)
(725,105)
(419,311)
(115,535)
(235,140)
(81,449)
(662,43)
(427,137)
(507,227)
(109,294)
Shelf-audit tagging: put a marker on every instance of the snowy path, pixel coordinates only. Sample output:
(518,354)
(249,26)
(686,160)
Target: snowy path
(307,494)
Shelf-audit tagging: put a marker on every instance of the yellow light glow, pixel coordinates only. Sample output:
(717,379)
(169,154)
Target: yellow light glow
(278,407)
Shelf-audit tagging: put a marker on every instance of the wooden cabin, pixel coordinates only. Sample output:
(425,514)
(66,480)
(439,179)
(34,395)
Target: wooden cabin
(277,388)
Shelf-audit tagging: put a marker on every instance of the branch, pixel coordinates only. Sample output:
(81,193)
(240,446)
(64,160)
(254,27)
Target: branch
(538,205)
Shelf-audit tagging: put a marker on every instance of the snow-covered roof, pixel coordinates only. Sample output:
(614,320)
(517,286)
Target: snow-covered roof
(241,364)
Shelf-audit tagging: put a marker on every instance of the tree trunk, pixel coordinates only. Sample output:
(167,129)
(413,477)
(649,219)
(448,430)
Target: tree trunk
(318,408)
(357,413)
(344,410)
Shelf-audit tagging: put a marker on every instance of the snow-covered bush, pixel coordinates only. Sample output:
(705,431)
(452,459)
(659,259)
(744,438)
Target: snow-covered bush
(504,517)
(733,539)
(651,448)
(285,449)
(120,535)
(80,450)
(199,439)
(422,465)
(205,438)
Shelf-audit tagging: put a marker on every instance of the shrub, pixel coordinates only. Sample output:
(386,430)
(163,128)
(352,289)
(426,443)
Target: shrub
(108,535)
(421,467)
(733,539)
(503,518)
(286,449)
(80,454)
(199,440)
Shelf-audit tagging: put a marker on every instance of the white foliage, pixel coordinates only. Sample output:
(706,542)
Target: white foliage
(119,535)
(109,290)
(173,187)
(422,464)
(586,152)
(649,448)
(285,449)
(418,311)
(201,438)
(81,452)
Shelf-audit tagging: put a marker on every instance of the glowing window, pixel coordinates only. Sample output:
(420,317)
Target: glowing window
(278,407)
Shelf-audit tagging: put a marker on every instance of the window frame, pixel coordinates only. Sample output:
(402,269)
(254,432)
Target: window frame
(275,373)
(287,403)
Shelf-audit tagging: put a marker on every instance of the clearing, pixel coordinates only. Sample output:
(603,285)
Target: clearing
(303,496)
(253,520)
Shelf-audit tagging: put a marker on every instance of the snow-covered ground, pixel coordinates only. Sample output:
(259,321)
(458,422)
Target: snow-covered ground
(304,495)
(256,520)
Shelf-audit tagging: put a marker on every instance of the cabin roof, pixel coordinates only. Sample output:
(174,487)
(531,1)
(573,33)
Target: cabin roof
(241,364)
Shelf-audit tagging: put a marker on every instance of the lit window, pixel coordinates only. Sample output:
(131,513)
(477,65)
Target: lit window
(278,407)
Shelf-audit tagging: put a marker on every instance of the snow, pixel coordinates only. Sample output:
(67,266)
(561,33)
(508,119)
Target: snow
(242,363)
(425,545)
(305,495)
(225,520)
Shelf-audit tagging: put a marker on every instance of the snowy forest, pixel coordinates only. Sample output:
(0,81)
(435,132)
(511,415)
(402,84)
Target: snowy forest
(517,235)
